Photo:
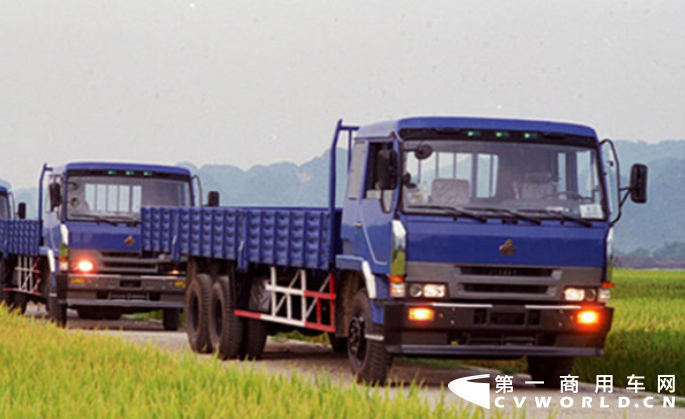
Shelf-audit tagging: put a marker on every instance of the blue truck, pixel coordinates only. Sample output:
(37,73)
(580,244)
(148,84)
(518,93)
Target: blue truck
(457,237)
(83,250)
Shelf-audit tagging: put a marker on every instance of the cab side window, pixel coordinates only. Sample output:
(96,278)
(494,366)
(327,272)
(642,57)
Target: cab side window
(381,172)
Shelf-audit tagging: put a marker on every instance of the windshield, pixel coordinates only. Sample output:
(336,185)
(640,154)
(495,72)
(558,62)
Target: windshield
(4,207)
(115,198)
(529,180)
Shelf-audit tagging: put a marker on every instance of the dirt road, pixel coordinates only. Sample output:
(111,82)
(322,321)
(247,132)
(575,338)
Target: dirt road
(283,357)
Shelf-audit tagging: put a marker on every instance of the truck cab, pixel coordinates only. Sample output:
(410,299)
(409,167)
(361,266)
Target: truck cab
(479,238)
(91,227)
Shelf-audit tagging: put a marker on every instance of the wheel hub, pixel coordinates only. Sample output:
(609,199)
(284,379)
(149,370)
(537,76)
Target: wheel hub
(356,338)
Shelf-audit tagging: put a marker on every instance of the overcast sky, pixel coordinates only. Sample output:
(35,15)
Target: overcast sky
(255,82)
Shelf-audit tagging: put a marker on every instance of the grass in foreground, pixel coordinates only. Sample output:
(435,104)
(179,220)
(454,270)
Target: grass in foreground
(48,372)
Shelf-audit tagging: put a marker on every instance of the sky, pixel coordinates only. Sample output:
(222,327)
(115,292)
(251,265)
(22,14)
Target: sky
(250,82)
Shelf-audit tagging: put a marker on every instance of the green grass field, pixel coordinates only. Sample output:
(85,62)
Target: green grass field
(648,333)
(46,372)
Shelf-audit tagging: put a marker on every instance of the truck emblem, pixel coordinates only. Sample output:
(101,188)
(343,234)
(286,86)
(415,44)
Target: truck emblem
(129,241)
(508,248)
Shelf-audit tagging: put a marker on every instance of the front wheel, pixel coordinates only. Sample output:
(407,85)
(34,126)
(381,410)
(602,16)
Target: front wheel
(57,312)
(549,370)
(171,319)
(369,360)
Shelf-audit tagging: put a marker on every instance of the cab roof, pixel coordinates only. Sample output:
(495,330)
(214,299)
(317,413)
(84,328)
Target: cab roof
(385,129)
(125,166)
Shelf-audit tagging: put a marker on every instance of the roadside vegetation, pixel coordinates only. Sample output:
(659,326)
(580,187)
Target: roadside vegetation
(48,372)
(648,335)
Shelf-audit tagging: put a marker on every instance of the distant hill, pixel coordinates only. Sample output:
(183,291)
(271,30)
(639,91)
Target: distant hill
(649,226)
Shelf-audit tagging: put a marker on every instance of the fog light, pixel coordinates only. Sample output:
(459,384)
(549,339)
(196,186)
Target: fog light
(421,314)
(85,266)
(574,294)
(604,295)
(434,290)
(397,290)
(415,290)
(588,317)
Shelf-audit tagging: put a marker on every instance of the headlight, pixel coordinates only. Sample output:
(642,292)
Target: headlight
(84,266)
(434,290)
(417,290)
(604,295)
(574,294)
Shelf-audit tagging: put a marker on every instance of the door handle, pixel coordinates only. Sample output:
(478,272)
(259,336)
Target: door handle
(358,224)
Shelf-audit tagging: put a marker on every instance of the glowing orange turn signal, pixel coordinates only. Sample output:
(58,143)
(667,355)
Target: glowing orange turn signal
(85,266)
(421,314)
(588,317)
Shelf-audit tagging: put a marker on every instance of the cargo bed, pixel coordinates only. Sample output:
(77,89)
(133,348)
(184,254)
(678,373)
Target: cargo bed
(276,236)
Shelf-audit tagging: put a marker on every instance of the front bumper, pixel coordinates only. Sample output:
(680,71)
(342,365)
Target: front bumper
(495,331)
(126,291)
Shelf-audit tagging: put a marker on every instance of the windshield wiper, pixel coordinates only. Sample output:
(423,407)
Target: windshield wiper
(451,210)
(563,215)
(513,213)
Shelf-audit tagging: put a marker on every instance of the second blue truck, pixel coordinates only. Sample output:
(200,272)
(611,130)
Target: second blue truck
(84,249)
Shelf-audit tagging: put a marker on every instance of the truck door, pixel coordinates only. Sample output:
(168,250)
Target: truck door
(371,220)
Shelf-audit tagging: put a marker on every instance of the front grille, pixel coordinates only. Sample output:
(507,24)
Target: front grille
(502,339)
(126,262)
(505,271)
(506,288)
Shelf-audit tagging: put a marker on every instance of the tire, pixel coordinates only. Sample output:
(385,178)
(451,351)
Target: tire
(112,314)
(197,313)
(57,312)
(254,339)
(6,297)
(90,313)
(338,345)
(369,360)
(549,370)
(19,302)
(225,328)
(171,319)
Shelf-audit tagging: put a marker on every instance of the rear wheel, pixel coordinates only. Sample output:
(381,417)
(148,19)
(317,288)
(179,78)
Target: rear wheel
(369,360)
(197,313)
(6,296)
(19,302)
(225,328)
(171,318)
(255,338)
(549,370)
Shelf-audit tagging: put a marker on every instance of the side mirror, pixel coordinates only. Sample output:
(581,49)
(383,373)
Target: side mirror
(638,183)
(55,195)
(21,210)
(212,199)
(386,169)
